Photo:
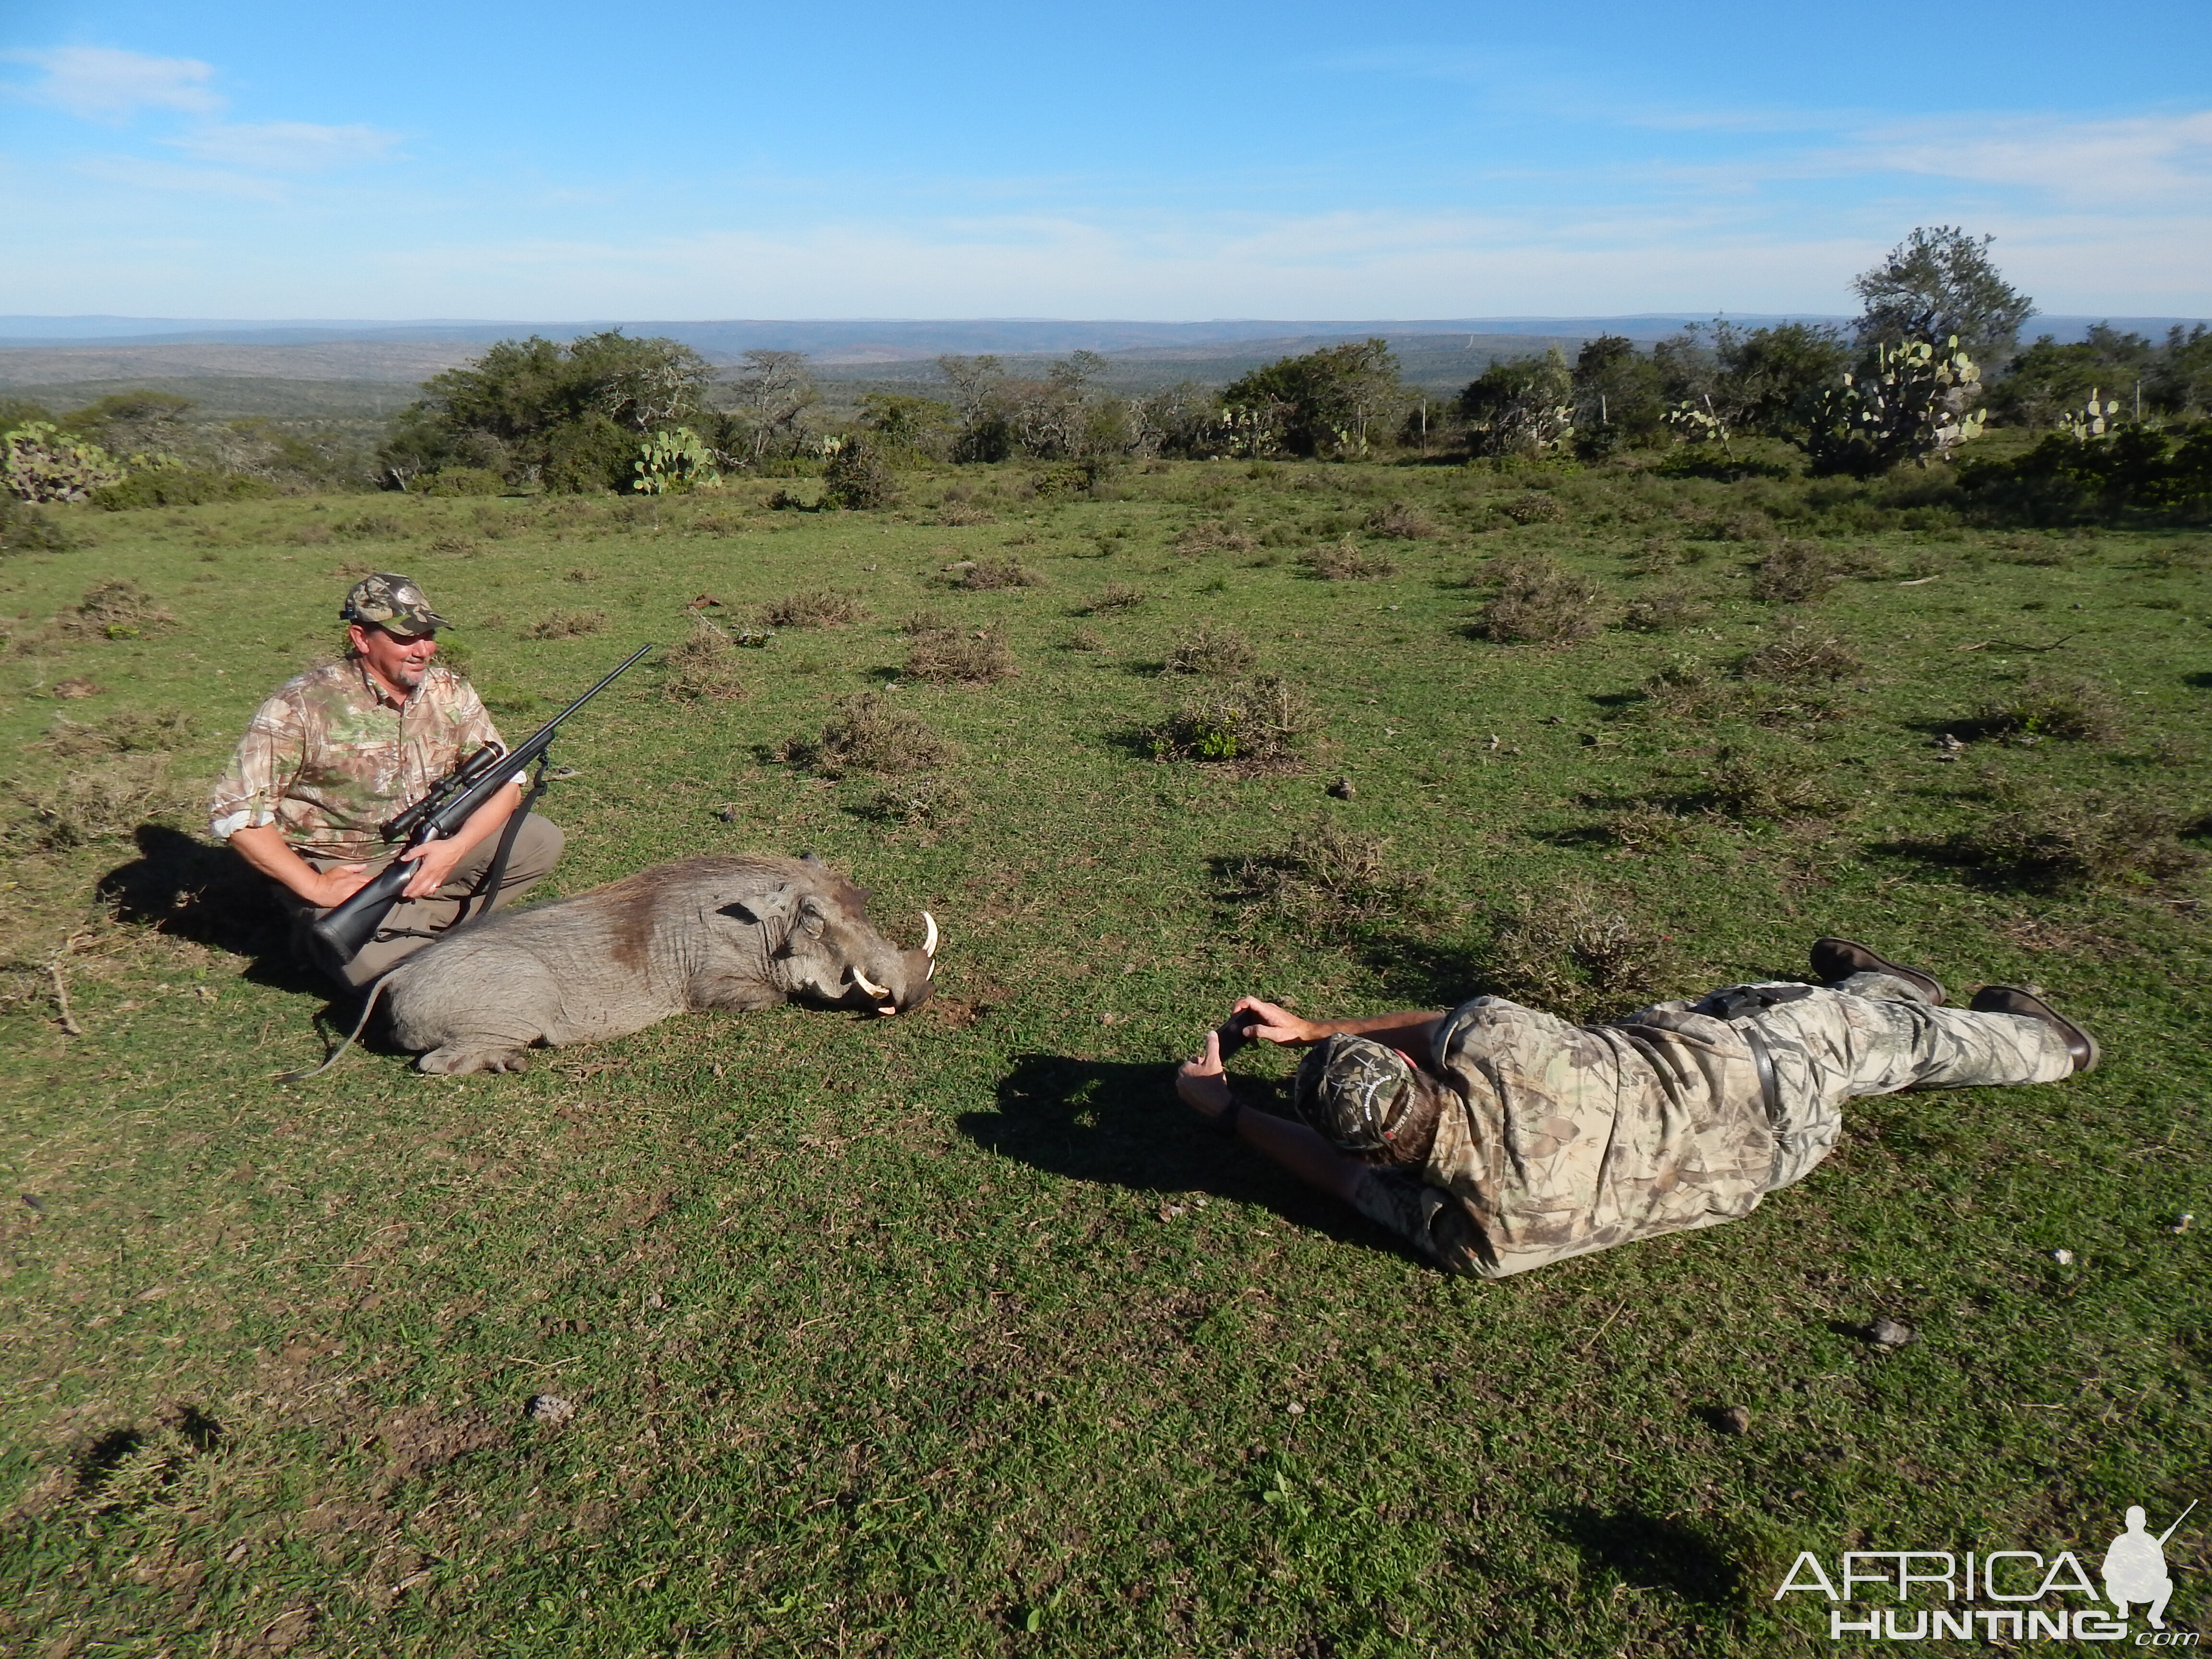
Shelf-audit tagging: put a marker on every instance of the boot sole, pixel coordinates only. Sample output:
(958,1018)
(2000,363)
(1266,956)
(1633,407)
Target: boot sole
(2045,1012)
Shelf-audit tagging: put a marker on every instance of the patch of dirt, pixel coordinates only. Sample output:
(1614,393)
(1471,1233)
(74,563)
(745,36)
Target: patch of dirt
(420,1438)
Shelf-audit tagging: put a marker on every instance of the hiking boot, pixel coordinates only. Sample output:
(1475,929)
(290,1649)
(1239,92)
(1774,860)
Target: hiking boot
(2011,1000)
(1837,959)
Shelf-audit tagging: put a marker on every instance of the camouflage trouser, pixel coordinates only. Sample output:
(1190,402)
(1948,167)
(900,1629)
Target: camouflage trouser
(1869,1034)
(413,923)
(1873,1035)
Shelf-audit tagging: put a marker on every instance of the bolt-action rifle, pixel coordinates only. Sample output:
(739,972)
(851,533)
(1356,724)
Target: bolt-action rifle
(452,801)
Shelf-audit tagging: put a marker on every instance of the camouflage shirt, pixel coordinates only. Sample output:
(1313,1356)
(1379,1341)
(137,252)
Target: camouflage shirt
(330,758)
(1558,1139)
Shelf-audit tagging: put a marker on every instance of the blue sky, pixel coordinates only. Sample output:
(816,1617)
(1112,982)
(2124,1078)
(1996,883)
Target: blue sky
(1147,161)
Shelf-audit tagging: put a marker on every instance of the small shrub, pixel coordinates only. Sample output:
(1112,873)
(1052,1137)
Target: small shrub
(856,479)
(945,656)
(1326,875)
(1663,610)
(1212,650)
(2047,706)
(1753,784)
(566,625)
(957,515)
(1540,603)
(1347,563)
(1117,597)
(1533,506)
(2091,839)
(702,668)
(986,575)
(1212,536)
(926,622)
(1402,522)
(1083,639)
(1800,656)
(115,609)
(816,608)
(1793,572)
(27,529)
(1572,953)
(454,546)
(1260,720)
(870,732)
(128,731)
(1645,828)
(463,481)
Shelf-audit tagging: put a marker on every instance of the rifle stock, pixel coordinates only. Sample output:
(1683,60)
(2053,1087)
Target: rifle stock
(345,928)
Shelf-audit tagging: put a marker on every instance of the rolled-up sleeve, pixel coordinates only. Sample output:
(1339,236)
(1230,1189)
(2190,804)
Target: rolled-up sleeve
(266,760)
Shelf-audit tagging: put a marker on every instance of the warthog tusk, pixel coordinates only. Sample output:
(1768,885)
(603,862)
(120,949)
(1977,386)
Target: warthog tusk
(929,935)
(880,991)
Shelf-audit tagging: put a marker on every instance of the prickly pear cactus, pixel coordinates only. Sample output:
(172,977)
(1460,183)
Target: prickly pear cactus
(1910,402)
(39,462)
(675,460)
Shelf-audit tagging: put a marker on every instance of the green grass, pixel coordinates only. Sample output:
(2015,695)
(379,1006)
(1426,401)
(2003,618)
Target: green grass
(956,1334)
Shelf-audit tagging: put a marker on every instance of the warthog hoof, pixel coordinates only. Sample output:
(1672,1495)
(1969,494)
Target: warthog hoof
(453,1060)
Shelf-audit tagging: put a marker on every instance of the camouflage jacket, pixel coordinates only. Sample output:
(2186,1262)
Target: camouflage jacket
(1560,1139)
(328,759)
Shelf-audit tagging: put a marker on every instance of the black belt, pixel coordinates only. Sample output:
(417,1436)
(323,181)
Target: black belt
(1770,1089)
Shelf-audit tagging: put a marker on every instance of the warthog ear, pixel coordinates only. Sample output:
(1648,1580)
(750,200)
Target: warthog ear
(774,905)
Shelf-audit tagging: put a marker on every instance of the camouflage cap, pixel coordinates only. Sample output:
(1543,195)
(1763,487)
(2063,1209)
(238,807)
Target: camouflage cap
(1355,1092)
(390,601)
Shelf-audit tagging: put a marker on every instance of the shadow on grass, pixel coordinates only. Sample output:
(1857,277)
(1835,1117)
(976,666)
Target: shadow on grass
(182,887)
(1650,1552)
(1118,1123)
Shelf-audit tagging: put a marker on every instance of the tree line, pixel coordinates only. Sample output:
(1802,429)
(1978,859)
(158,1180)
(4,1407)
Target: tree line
(1909,381)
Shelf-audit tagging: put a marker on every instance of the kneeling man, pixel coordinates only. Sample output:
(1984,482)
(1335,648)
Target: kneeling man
(1495,1139)
(339,752)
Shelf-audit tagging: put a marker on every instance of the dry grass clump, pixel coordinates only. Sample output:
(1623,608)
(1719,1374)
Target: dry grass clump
(453,544)
(1533,506)
(927,802)
(1327,874)
(1573,953)
(870,732)
(1539,602)
(2080,840)
(370,527)
(1646,827)
(1347,563)
(815,608)
(986,575)
(1212,649)
(76,686)
(1261,720)
(1800,656)
(1118,596)
(115,609)
(1686,688)
(101,802)
(1751,784)
(2051,706)
(956,516)
(1402,522)
(1082,639)
(2029,550)
(702,669)
(1212,536)
(566,625)
(128,731)
(1663,610)
(945,656)
(1793,572)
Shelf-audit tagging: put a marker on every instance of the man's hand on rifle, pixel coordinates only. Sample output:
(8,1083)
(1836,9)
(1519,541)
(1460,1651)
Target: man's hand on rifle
(434,862)
(328,888)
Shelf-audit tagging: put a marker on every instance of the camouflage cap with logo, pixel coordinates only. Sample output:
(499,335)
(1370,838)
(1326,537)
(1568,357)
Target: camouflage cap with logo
(391,601)
(1354,1091)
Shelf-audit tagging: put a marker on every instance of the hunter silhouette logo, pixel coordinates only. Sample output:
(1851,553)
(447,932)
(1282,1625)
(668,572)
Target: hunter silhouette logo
(2021,1594)
(2135,1567)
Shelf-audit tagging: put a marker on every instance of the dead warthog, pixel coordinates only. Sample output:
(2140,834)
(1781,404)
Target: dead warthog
(734,933)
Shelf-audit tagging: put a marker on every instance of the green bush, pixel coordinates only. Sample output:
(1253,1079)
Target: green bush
(180,486)
(40,462)
(463,481)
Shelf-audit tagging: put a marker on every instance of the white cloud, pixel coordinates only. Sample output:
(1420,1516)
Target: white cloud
(284,146)
(101,83)
(2139,161)
(168,178)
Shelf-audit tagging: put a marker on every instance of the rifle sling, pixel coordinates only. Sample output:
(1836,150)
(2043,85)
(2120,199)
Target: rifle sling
(498,873)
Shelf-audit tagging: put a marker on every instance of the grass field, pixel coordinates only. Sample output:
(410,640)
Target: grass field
(955,1333)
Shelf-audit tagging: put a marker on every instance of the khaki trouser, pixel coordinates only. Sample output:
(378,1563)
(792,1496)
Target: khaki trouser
(413,923)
